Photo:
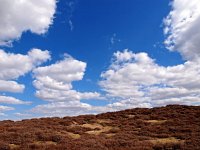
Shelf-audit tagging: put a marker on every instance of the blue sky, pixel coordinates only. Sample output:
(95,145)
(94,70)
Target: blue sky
(71,57)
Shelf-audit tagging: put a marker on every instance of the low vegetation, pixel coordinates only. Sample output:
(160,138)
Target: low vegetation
(165,128)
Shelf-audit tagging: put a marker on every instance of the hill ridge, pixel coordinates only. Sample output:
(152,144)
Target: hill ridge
(169,127)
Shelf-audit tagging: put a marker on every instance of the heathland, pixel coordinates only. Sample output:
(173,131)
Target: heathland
(168,128)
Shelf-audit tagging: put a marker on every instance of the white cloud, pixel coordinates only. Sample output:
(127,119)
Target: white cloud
(11,86)
(128,104)
(65,71)
(18,16)
(90,95)
(5,108)
(22,115)
(70,108)
(182,26)
(2,114)
(38,56)
(14,65)
(12,100)
(136,80)
(54,84)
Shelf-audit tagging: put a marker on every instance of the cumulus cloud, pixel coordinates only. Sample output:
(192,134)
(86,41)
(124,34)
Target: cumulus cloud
(71,108)
(20,116)
(18,16)
(136,80)
(127,104)
(2,114)
(54,84)
(5,108)
(132,80)
(13,66)
(66,71)
(12,100)
(182,26)
(11,86)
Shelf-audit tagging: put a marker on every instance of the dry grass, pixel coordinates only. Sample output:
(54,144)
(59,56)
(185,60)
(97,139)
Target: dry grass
(156,121)
(96,128)
(92,126)
(44,143)
(110,134)
(74,136)
(98,132)
(13,146)
(131,116)
(103,121)
(69,134)
(170,140)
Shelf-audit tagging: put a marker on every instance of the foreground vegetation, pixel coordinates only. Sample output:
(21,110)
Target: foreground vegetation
(171,127)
